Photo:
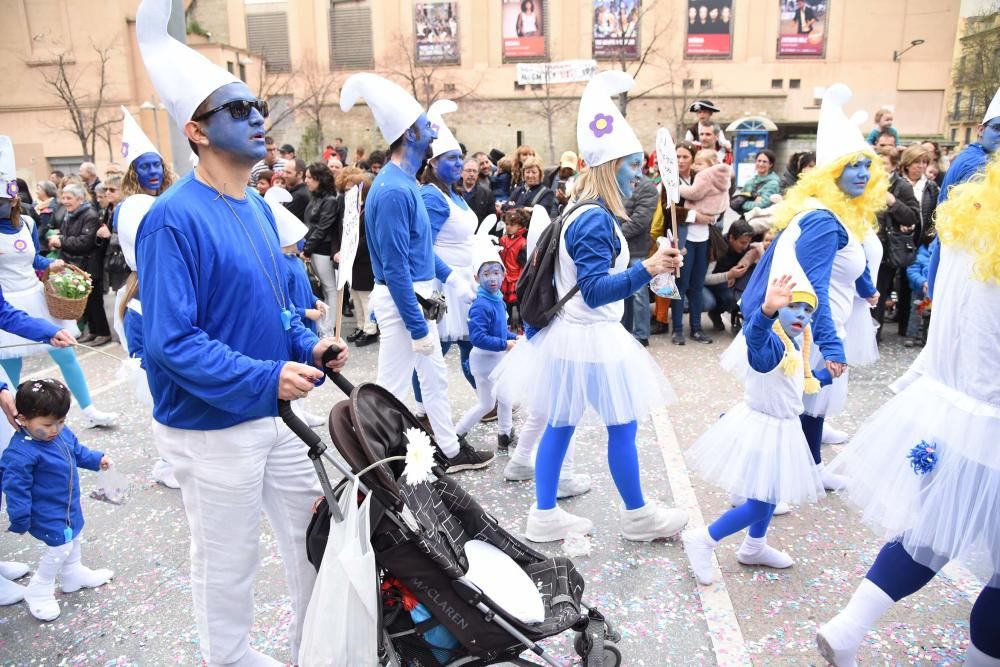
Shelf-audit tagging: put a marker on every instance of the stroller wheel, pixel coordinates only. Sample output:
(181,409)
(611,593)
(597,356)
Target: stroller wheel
(582,644)
(611,633)
(612,655)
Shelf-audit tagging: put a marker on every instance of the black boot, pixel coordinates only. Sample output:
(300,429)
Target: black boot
(505,442)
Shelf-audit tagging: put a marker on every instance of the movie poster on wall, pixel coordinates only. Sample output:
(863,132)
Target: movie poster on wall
(436,32)
(523,29)
(616,29)
(709,28)
(803,28)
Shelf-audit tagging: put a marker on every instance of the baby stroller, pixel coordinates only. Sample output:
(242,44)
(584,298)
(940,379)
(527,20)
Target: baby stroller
(418,534)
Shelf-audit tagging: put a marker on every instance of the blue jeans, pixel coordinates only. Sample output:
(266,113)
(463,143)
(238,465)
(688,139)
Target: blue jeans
(690,286)
(464,349)
(718,298)
(636,316)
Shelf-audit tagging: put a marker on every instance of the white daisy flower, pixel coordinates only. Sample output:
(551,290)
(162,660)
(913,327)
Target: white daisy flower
(419,457)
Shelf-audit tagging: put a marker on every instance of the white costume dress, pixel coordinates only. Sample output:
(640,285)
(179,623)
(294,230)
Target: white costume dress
(861,345)
(584,357)
(23,290)
(454,246)
(950,511)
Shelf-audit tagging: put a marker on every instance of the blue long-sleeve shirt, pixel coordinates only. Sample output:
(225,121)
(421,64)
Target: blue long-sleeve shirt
(37,478)
(593,243)
(400,243)
(488,322)
(764,349)
(917,272)
(299,290)
(215,340)
(132,324)
(820,238)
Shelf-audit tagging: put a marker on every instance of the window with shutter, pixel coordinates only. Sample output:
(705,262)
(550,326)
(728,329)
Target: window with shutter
(267,35)
(351,36)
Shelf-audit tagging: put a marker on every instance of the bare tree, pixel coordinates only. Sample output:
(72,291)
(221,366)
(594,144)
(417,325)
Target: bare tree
(87,114)
(316,85)
(272,86)
(550,107)
(427,81)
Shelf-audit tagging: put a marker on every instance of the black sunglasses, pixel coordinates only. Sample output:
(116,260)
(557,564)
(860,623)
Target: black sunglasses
(238,109)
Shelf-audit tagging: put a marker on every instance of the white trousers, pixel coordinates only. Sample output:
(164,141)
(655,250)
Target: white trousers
(484,392)
(362,312)
(227,478)
(531,435)
(397,361)
(327,274)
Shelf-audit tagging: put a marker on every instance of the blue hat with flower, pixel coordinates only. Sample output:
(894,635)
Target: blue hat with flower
(601,131)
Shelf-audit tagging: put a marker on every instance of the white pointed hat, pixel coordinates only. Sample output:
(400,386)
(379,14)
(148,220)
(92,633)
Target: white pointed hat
(394,109)
(129,216)
(785,262)
(134,140)
(8,168)
(837,134)
(446,141)
(484,250)
(182,77)
(601,131)
(291,230)
(993,111)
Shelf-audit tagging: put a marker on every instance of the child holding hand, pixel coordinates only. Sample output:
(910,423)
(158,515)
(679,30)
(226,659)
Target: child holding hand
(42,486)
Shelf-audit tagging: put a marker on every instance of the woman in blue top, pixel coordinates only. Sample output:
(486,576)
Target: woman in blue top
(585,357)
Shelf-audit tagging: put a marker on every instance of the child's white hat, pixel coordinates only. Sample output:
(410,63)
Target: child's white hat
(130,214)
(291,230)
(484,245)
(182,77)
(394,109)
(8,168)
(602,133)
(837,134)
(785,262)
(134,140)
(446,141)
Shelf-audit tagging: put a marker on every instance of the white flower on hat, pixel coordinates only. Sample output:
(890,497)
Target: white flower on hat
(602,133)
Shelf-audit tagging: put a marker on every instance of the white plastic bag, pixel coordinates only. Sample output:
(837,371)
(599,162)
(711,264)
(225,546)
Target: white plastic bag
(112,486)
(341,626)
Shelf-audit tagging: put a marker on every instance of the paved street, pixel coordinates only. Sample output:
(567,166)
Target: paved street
(754,616)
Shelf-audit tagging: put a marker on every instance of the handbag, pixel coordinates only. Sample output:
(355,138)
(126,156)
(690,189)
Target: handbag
(341,622)
(902,250)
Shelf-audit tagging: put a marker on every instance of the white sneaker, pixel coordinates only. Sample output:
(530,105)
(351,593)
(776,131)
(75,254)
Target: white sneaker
(832,436)
(10,593)
(518,472)
(313,421)
(779,509)
(92,417)
(576,484)
(700,547)
(831,481)
(12,570)
(254,658)
(838,640)
(652,522)
(555,524)
(41,599)
(73,579)
(163,473)
(756,551)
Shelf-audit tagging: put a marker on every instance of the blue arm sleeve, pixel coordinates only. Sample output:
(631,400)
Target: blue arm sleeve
(933,267)
(441,270)
(18,468)
(589,243)
(815,248)
(864,285)
(85,457)
(481,326)
(392,236)
(204,367)
(437,208)
(18,322)
(302,338)
(916,273)
(132,323)
(764,348)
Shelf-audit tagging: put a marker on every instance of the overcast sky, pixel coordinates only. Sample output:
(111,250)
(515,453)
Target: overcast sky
(970,7)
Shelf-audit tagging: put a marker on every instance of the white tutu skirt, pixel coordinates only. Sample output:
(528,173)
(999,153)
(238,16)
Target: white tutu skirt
(830,400)
(455,323)
(860,344)
(950,512)
(754,455)
(569,366)
(32,302)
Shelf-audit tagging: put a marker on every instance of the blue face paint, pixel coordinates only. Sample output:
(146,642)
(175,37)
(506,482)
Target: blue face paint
(242,139)
(491,277)
(416,139)
(794,317)
(448,167)
(990,140)
(854,179)
(628,174)
(149,170)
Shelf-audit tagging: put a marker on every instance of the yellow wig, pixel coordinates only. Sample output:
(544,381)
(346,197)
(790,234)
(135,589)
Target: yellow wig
(857,214)
(970,219)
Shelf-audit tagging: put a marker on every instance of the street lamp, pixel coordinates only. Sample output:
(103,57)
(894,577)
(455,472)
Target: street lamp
(897,54)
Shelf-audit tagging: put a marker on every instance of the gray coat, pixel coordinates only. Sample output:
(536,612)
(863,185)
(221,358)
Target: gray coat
(640,208)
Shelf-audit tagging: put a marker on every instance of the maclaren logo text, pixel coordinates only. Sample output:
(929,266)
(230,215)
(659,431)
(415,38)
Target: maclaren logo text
(435,597)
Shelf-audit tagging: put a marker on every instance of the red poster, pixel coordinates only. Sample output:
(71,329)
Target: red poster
(709,45)
(803,28)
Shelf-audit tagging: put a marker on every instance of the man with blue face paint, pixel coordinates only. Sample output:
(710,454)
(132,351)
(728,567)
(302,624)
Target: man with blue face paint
(223,345)
(401,243)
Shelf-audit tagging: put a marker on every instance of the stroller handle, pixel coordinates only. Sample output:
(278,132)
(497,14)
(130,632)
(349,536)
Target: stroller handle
(342,383)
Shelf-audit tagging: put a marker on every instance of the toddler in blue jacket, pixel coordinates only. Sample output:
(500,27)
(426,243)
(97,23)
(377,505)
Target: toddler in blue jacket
(42,487)
(490,339)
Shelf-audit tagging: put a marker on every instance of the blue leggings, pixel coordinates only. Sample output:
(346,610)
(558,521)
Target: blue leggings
(896,573)
(753,513)
(65,358)
(464,349)
(812,428)
(623,460)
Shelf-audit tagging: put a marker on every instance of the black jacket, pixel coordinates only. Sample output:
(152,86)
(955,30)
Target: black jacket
(481,200)
(928,206)
(323,218)
(525,197)
(300,200)
(640,208)
(905,212)
(80,245)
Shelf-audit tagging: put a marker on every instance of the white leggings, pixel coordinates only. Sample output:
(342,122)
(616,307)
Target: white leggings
(327,274)
(527,444)
(484,392)
(55,560)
